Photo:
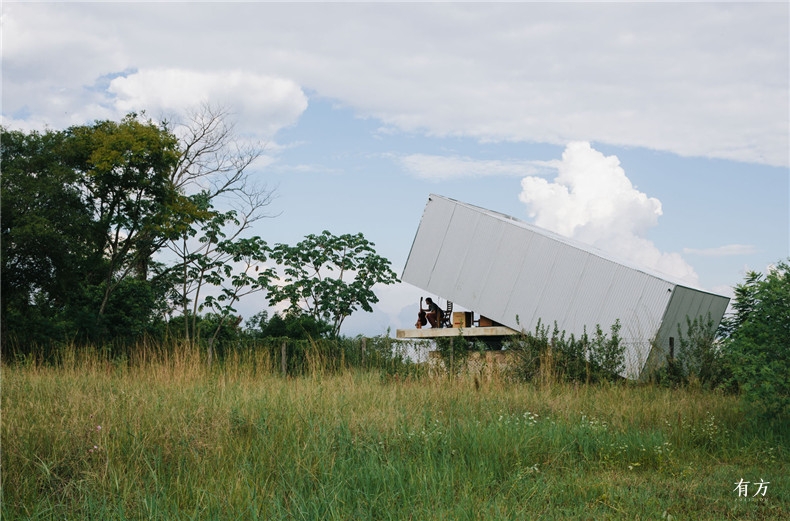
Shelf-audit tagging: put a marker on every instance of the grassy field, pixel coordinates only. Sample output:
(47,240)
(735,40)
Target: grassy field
(171,439)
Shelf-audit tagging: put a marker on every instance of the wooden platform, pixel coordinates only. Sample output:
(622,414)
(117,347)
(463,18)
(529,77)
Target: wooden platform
(446,332)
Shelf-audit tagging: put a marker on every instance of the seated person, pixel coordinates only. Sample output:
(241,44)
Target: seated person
(432,315)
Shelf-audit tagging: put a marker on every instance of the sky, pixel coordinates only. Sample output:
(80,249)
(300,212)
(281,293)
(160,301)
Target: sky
(657,132)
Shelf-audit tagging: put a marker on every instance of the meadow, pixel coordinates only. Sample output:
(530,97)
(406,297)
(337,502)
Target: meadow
(166,437)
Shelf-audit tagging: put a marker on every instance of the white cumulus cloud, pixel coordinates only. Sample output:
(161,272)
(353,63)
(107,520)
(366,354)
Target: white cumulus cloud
(593,201)
(262,104)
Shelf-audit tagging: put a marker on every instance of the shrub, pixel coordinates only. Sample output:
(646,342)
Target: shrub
(700,354)
(607,355)
(561,357)
(453,351)
(759,343)
(292,325)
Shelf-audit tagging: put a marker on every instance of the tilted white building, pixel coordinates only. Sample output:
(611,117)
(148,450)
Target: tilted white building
(516,274)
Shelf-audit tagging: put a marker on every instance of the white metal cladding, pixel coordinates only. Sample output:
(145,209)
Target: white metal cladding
(517,274)
(692,304)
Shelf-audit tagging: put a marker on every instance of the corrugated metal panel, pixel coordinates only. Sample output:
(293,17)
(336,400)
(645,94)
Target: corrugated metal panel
(691,303)
(507,259)
(504,268)
(648,309)
(578,289)
(428,241)
(446,275)
(596,285)
(530,283)
(483,238)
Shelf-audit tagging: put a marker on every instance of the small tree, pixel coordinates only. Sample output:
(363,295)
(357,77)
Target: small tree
(217,275)
(329,277)
(607,354)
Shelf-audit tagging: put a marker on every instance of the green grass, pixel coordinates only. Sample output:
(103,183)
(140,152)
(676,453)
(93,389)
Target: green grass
(179,441)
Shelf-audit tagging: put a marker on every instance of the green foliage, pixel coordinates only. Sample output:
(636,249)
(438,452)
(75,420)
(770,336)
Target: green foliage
(701,358)
(743,304)
(131,311)
(555,356)
(329,277)
(125,174)
(758,344)
(85,210)
(236,272)
(222,269)
(45,250)
(607,355)
(81,210)
(453,351)
(287,325)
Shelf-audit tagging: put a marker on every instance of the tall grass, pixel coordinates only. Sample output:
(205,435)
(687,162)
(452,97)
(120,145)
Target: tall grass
(162,436)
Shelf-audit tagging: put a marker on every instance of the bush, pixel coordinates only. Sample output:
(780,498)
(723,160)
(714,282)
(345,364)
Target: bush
(701,355)
(291,325)
(607,356)
(561,357)
(759,343)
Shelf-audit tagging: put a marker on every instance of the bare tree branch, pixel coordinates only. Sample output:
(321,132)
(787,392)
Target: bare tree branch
(214,163)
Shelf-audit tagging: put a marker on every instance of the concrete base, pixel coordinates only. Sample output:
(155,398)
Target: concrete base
(484,365)
(447,332)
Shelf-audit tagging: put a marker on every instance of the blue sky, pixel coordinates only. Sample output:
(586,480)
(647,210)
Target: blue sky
(658,132)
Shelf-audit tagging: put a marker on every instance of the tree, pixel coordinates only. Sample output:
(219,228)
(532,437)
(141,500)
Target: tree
(213,170)
(213,158)
(758,343)
(233,284)
(743,304)
(43,244)
(125,174)
(82,210)
(329,277)
(87,209)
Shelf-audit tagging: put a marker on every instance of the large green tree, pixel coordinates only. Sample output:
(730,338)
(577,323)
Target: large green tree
(125,172)
(82,210)
(329,277)
(44,217)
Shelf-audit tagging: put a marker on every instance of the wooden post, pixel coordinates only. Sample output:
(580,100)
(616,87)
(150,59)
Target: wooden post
(452,366)
(364,348)
(283,359)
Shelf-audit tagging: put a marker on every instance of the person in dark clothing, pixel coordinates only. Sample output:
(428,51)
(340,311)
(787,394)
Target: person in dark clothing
(432,315)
